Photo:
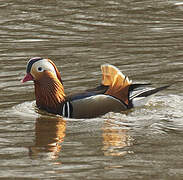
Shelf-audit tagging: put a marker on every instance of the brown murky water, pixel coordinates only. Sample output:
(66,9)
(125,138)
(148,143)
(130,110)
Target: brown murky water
(142,38)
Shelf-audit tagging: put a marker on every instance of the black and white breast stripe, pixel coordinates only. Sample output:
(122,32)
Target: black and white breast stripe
(67,110)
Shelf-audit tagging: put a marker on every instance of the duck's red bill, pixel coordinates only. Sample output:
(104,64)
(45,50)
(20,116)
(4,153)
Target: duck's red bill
(28,77)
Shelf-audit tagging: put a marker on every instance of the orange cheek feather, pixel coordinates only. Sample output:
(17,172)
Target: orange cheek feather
(49,91)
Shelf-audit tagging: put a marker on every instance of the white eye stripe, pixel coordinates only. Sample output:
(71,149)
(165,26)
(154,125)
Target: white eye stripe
(43,65)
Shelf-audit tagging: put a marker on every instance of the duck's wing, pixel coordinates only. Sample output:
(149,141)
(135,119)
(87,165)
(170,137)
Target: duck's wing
(120,87)
(96,105)
(87,93)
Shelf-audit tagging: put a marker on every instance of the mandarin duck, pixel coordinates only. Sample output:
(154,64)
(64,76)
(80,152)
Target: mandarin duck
(115,93)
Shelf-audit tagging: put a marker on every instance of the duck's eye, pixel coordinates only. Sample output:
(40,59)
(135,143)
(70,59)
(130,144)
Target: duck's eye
(40,69)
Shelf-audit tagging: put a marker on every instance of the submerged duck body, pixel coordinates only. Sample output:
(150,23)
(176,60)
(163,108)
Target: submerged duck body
(116,92)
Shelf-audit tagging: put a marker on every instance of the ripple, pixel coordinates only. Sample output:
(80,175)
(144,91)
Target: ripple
(27,109)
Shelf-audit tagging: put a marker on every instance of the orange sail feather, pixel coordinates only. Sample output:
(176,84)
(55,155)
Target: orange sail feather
(118,83)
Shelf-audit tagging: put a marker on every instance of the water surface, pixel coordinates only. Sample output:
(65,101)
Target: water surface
(142,38)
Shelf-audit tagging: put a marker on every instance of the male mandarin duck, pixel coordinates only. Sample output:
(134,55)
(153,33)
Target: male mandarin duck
(116,92)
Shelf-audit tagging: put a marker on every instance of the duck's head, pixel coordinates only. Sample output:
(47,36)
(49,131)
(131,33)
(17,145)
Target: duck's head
(37,68)
(49,90)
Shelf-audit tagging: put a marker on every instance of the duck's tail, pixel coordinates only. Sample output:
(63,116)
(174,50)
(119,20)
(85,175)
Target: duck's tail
(139,94)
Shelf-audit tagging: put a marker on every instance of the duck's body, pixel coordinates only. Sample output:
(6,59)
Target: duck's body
(116,93)
(94,104)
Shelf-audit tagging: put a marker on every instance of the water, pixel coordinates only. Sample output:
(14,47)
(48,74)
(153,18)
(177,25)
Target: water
(142,38)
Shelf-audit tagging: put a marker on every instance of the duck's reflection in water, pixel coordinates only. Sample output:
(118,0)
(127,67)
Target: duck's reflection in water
(49,135)
(115,139)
